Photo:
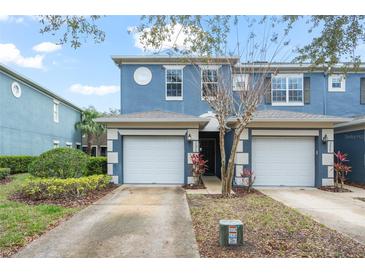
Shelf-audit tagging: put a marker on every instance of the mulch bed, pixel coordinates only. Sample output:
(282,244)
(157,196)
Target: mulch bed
(201,186)
(90,198)
(356,185)
(333,189)
(271,229)
(242,191)
(5,181)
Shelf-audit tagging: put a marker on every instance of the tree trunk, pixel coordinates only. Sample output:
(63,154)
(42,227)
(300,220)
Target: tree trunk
(88,150)
(222,133)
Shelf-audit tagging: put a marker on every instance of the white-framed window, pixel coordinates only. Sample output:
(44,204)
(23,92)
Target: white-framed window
(287,90)
(56,111)
(240,81)
(69,144)
(56,144)
(209,79)
(174,82)
(336,83)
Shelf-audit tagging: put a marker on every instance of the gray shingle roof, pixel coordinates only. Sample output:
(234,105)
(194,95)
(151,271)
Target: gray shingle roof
(283,114)
(152,116)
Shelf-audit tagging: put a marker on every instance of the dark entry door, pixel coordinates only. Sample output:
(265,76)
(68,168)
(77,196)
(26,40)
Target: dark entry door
(207,148)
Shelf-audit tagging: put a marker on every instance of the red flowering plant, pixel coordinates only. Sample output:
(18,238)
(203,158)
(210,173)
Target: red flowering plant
(341,168)
(248,178)
(199,167)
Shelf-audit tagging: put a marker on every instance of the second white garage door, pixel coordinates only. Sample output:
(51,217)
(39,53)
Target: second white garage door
(283,161)
(153,159)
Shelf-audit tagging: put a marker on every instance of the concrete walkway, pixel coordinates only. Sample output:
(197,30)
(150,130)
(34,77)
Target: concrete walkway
(212,186)
(132,221)
(339,211)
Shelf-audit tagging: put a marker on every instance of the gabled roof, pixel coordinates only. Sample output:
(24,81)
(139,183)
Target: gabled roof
(36,86)
(354,121)
(152,116)
(165,59)
(293,116)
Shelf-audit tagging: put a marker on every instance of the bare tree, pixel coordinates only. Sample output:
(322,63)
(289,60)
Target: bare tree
(234,110)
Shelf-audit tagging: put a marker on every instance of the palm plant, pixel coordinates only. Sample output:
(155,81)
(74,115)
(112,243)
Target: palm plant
(89,127)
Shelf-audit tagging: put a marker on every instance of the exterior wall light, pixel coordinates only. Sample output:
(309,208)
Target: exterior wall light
(189,137)
(325,139)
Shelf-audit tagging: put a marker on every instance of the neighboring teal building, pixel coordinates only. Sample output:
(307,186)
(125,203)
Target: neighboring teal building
(34,119)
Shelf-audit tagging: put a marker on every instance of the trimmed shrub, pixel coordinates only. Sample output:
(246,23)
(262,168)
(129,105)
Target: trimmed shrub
(17,164)
(4,173)
(57,188)
(96,165)
(60,163)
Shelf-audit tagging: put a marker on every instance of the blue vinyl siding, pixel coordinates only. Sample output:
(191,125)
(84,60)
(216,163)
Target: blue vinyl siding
(26,123)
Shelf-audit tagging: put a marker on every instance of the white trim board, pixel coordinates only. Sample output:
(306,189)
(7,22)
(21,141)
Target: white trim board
(152,132)
(263,132)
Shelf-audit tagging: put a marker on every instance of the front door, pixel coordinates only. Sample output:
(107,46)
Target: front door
(207,148)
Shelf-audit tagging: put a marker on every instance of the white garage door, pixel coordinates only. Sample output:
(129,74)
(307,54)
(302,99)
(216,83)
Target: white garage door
(153,159)
(283,161)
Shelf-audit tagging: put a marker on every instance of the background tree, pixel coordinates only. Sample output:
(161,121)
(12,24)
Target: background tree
(334,38)
(89,127)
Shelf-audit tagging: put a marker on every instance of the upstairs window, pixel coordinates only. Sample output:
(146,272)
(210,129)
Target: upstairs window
(209,78)
(336,83)
(287,90)
(174,82)
(56,111)
(240,82)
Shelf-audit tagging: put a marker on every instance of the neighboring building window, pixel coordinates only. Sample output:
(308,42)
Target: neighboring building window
(56,111)
(69,144)
(287,89)
(84,149)
(336,83)
(174,83)
(103,151)
(240,82)
(78,146)
(209,78)
(93,151)
(56,144)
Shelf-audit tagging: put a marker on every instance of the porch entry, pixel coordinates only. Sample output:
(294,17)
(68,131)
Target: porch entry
(208,149)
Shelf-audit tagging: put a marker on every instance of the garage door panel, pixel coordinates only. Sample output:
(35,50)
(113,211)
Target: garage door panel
(153,159)
(287,161)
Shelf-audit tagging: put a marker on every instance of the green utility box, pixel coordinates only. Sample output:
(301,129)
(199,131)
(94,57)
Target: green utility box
(230,232)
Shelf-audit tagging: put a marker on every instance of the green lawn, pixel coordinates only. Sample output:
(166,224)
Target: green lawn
(20,222)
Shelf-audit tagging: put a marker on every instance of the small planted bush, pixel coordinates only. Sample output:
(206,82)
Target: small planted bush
(57,188)
(96,165)
(60,163)
(4,173)
(17,164)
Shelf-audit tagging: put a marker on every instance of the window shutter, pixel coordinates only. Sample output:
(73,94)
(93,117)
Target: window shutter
(267,84)
(307,90)
(362,91)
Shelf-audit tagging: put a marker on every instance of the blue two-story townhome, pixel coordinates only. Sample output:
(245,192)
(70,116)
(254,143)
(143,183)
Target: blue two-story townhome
(34,119)
(165,119)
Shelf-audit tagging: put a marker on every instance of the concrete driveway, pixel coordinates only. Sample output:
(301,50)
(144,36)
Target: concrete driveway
(339,211)
(132,221)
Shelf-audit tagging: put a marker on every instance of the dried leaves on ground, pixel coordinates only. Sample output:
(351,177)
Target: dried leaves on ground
(271,229)
(334,189)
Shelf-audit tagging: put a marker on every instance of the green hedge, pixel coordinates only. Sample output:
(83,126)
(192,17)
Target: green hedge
(96,165)
(4,172)
(57,188)
(60,163)
(17,164)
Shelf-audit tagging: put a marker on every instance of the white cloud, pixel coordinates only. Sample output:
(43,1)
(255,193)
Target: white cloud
(11,19)
(10,54)
(90,90)
(47,47)
(177,39)
(4,18)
